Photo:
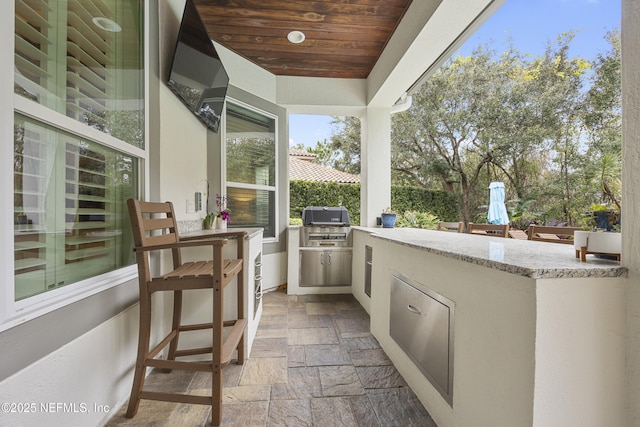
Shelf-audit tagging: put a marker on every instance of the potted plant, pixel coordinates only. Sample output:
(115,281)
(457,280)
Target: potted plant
(388,218)
(603,217)
(209,221)
(223,213)
(220,218)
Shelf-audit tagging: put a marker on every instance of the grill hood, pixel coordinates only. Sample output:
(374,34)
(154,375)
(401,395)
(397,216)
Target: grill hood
(325,215)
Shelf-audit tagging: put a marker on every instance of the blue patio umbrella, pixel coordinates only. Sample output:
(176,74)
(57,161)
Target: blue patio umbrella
(497,210)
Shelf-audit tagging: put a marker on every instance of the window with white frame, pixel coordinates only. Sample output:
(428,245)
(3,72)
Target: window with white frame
(83,60)
(250,156)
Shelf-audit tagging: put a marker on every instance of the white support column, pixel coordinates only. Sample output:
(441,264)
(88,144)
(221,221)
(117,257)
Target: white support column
(375,161)
(631,197)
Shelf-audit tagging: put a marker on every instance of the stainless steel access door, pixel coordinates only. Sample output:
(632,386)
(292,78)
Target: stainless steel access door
(421,322)
(337,267)
(325,267)
(311,267)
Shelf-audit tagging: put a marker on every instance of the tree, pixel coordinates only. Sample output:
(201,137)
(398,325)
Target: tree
(562,100)
(548,126)
(603,121)
(505,117)
(342,152)
(345,144)
(459,129)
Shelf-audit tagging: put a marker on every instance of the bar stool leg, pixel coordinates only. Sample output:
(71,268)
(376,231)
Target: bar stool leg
(216,362)
(175,325)
(143,351)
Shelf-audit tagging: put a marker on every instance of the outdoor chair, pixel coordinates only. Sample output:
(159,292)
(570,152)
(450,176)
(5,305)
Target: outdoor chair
(154,229)
(451,226)
(494,230)
(516,233)
(552,234)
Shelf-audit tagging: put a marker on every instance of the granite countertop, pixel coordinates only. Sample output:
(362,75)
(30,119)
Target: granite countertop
(249,233)
(538,260)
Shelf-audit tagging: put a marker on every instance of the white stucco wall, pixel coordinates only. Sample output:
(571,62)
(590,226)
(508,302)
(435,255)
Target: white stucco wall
(247,76)
(631,197)
(494,336)
(580,353)
(81,384)
(375,173)
(183,138)
(540,353)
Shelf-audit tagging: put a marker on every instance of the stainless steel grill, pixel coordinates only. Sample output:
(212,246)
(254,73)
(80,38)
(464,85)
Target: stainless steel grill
(325,236)
(325,247)
(325,216)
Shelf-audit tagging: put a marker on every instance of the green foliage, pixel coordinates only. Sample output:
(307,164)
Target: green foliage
(345,140)
(248,156)
(342,152)
(520,214)
(414,219)
(547,126)
(440,203)
(208,220)
(312,193)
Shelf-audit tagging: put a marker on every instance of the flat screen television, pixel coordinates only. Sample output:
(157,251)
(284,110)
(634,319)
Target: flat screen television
(197,75)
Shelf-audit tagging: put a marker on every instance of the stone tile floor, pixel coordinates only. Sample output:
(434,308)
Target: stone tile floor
(314,362)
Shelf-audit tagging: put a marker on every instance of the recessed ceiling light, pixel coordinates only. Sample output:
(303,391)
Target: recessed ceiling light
(107,24)
(296,37)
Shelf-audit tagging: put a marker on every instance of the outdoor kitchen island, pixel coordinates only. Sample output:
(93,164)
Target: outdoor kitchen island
(510,332)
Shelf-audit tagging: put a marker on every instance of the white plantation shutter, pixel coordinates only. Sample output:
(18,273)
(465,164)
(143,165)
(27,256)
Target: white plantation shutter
(82,59)
(33,161)
(70,219)
(67,61)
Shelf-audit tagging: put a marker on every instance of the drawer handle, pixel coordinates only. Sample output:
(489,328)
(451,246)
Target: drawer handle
(257,278)
(413,309)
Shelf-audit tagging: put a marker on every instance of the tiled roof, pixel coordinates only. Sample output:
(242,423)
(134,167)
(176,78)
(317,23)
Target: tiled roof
(296,152)
(309,171)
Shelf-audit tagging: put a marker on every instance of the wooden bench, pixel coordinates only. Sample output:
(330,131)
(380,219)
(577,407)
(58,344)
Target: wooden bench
(552,234)
(451,226)
(493,230)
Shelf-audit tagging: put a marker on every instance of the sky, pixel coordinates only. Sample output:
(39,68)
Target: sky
(530,23)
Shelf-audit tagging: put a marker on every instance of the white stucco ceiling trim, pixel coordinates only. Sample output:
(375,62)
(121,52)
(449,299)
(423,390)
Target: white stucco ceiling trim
(423,41)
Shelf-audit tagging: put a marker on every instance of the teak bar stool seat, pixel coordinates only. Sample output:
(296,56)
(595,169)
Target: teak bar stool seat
(154,228)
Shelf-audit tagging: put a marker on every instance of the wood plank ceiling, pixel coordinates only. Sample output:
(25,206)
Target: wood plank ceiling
(344,38)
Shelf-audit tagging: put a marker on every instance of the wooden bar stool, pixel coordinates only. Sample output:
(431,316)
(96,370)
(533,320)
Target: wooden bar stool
(154,228)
